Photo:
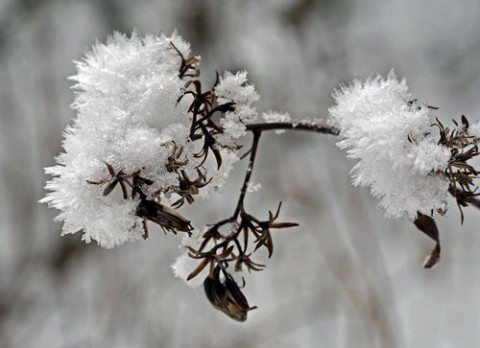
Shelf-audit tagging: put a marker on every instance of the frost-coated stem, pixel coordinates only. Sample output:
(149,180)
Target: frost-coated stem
(251,162)
(255,127)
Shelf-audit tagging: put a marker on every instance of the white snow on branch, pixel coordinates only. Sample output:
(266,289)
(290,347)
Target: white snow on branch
(277,117)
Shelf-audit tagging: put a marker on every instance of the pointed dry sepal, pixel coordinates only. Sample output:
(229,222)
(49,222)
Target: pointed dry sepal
(261,229)
(211,257)
(427,225)
(189,65)
(247,261)
(198,269)
(464,198)
(115,178)
(209,144)
(174,163)
(188,188)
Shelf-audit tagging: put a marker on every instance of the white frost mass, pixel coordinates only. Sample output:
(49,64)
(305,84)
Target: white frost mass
(184,264)
(234,88)
(274,116)
(474,129)
(397,149)
(277,117)
(129,116)
(253,187)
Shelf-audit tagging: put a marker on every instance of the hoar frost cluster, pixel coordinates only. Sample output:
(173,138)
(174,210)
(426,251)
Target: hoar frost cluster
(133,117)
(391,136)
(277,117)
(233,88)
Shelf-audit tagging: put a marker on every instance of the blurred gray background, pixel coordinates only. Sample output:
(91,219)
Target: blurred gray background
(345,278)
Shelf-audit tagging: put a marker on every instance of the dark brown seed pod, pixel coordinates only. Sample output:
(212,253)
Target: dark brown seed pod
(226,296)
(167,218)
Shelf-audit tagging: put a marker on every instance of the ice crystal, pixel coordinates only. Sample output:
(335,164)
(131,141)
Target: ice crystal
(234,88)
(253,187)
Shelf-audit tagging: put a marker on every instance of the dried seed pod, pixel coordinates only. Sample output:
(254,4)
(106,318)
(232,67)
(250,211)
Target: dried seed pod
(226,296)
(168,218)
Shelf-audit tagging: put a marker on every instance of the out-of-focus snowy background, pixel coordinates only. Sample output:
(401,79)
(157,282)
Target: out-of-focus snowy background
(345,278)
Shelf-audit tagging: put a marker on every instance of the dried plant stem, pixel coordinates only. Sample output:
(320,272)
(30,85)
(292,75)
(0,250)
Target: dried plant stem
(305,126)
(248,174)
(225,295)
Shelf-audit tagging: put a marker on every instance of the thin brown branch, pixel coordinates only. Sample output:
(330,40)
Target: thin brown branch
(248,174)
(304,126)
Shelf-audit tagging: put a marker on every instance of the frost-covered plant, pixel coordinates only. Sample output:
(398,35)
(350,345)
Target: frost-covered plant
(397,152)
(401,156)
(149,138)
